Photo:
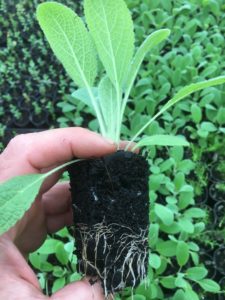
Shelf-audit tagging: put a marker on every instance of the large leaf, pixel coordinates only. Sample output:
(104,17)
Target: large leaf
(162,140)
(70,41)
(107,96)
(18,194)
(16,197)
(111,26)
(183,93)
(151,41)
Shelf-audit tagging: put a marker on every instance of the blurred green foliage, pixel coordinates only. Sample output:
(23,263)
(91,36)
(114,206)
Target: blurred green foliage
(194,51)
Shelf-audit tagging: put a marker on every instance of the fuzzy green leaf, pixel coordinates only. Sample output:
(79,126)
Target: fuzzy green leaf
(111,27)
(70,41)
(18,194)
(150,42)
(162,140)
(16,197)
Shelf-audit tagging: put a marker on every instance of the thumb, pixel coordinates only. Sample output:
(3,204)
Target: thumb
(80,290)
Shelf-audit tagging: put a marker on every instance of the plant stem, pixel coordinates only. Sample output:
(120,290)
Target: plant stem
(118,122)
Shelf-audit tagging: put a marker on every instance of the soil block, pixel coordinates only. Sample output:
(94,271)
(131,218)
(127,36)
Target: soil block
(110,199)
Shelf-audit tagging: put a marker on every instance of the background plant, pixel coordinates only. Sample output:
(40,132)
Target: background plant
(193,51)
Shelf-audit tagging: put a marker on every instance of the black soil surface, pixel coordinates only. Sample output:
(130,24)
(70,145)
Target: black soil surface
(111,218)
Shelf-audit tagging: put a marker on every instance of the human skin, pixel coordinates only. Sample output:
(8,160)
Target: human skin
(37,153)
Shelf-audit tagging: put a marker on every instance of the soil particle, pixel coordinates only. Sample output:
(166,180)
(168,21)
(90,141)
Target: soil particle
(111,217)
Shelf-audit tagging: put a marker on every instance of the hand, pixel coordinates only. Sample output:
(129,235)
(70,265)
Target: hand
(51,211)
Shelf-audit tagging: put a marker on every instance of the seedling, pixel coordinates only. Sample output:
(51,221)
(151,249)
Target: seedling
(110,39)
(111,238)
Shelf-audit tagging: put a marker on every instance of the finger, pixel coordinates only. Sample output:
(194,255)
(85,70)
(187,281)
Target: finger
(56,146)
(123,145)
(57,200)
(57,222)
(81,290)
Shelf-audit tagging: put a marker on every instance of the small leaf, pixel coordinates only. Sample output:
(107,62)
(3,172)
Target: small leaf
(162,140)
(190,294)
(167,248)
(61,254)
(195,212)
(179,295)
(208,126)
(209,285)
(196,113)
(154,261)
(153,234)
(182,253)
(58,284)
(35,260)
(196,273)
(186,225)
(181,282)
(179,180)
(164,214)
(168,282)
(49,246)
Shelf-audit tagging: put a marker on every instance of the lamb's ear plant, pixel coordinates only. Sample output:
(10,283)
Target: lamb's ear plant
(110,38)
(110,214)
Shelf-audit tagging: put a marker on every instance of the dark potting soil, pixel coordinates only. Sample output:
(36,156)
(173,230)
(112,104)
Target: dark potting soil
(111,217)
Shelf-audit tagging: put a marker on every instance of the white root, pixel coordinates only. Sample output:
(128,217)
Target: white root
(130,246)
